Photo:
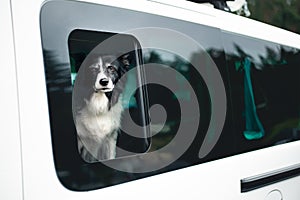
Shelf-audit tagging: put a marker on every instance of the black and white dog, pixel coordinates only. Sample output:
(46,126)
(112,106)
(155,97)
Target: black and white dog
(98,116)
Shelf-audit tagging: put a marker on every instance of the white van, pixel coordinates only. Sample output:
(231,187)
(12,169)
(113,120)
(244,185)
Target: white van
(211,105)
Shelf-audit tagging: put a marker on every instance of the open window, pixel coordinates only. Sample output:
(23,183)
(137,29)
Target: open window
(106,97)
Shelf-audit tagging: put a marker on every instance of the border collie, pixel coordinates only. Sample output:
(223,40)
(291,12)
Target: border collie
(99,117)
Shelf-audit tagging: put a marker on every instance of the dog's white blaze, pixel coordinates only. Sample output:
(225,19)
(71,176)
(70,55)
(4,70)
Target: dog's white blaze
(100,61)
(101,75)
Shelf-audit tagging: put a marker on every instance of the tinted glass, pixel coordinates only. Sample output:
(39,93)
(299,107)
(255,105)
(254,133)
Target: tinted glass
(182,66)
(265,91)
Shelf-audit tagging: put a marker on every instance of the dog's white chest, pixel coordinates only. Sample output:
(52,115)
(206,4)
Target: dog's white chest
(97,125)
(101,126)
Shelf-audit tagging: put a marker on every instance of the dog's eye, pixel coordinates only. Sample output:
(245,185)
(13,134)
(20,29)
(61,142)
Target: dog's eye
(111,68)
(94,70)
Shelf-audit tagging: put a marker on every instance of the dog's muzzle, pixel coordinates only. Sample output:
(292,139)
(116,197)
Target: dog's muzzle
(103,86)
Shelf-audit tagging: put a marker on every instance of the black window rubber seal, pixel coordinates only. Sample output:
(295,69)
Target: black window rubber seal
(262,180)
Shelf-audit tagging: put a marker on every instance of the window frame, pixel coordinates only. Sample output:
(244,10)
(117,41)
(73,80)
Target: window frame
(51,12)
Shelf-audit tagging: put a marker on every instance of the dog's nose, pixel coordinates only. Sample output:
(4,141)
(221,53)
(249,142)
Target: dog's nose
(104,81)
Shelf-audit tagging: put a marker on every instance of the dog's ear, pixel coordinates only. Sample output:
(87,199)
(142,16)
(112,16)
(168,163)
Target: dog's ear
(119,87)
(125,59)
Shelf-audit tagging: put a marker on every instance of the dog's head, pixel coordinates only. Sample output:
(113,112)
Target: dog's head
(100,74)
(107,71)
(105,74)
